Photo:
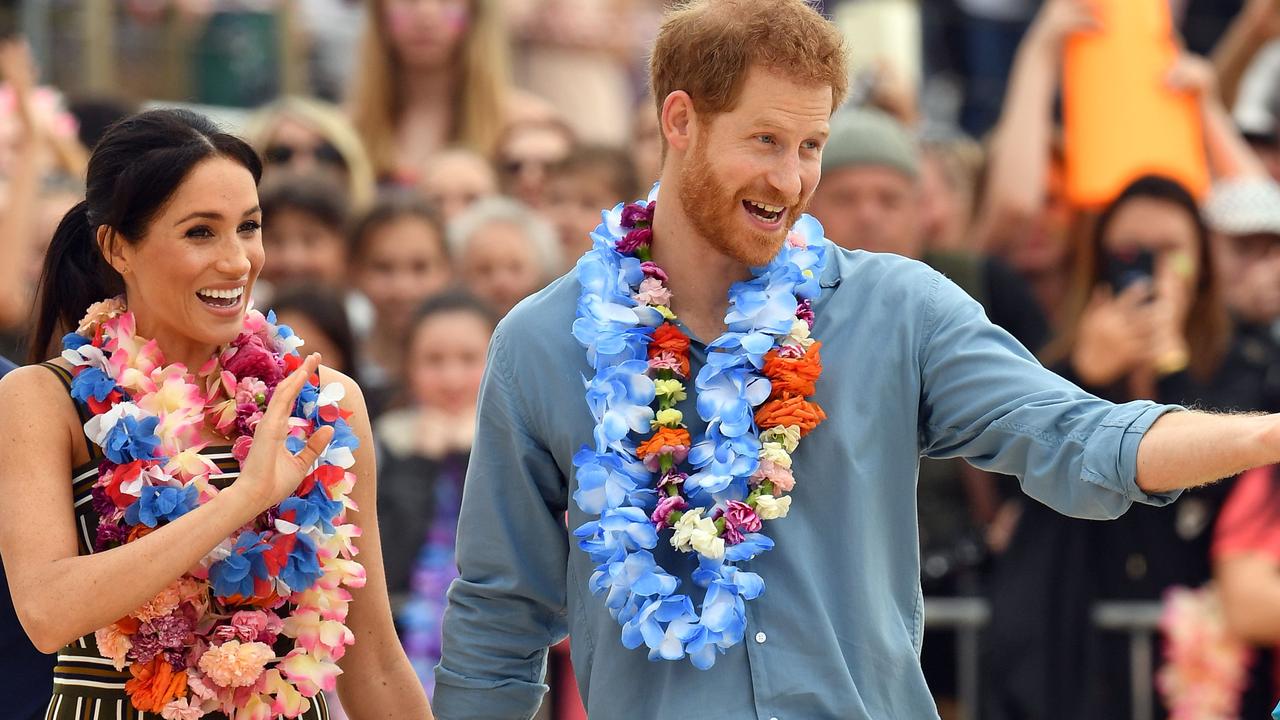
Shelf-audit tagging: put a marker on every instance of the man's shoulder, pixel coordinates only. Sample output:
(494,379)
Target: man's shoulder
(545,318)
(863,270)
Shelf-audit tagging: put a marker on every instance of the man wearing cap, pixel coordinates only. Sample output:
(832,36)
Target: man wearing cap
(870,198)
(1244,215)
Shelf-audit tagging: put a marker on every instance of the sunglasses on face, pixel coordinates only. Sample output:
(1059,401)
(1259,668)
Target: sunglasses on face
(324,153)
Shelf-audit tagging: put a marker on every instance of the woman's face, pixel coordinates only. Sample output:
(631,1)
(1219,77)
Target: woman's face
(190,276)
(403,262)
(446,360)
(302,248)
(425,34)
(501,266)
(525,158)
(298,148)
(1161,228)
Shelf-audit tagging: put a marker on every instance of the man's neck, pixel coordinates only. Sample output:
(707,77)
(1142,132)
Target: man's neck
(698,275)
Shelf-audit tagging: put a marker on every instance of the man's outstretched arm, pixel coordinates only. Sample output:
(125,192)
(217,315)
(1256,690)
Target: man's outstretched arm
(1186,449)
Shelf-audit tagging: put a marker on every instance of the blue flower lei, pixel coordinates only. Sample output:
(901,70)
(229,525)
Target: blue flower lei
(615,329)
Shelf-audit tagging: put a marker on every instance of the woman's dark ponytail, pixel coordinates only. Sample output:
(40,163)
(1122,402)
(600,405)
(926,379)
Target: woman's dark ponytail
(134,170)
(75,275)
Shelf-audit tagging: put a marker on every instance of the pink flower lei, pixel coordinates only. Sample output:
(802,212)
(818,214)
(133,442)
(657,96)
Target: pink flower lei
(257,627)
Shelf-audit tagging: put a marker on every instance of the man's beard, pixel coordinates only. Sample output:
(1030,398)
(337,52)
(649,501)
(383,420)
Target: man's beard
(713,211)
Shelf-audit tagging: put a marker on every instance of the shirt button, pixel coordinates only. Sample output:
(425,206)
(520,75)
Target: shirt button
(760,638)
(773,718)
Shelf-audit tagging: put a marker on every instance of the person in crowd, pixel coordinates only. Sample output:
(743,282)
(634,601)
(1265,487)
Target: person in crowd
(423,450)
(572,54)
(525,155)
(646,146)
(747,90)
(429,76)
(504,252)
(590,178)
(159,260)
(399,257)
(455,179)
(1146,320)
(304,231)
(949,174)
(872,198)
(1025,218)
(305,136)
(1246,575)
(318,313)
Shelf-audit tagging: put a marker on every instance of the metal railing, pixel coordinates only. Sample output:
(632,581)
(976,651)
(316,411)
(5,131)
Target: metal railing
(967,616)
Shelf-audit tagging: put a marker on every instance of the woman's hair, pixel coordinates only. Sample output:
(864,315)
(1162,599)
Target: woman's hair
(483,213)
(330,123)
(478,110)
(455,300)
(1207,328)
(317,196)
(614,164)
(325,308)
(388,208)
(134,170)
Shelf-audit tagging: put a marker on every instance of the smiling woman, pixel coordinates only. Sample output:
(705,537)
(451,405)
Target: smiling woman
(211,515)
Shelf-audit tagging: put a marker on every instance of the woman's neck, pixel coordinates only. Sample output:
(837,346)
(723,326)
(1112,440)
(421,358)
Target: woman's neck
(427,90)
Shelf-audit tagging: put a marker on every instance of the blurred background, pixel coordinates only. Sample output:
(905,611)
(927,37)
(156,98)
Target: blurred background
(1099,174)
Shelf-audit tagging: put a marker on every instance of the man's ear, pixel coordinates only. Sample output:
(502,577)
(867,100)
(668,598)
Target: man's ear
(112,247)
(679,120)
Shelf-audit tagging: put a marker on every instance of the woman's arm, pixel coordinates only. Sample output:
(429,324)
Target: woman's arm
(1017,178)
(1256,25)
(1249,585)
(377,680)
(49,582)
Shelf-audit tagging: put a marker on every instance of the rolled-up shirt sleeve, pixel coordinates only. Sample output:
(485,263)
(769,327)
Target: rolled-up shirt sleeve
(508,604)
(986,399)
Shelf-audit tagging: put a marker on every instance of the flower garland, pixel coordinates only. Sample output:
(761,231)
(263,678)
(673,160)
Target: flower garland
(753,394)
(208,642)
(1205,670)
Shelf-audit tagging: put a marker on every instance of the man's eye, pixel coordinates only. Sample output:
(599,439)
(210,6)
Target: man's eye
(766,139)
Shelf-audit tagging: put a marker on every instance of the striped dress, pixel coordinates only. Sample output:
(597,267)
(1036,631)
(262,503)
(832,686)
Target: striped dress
(86,686)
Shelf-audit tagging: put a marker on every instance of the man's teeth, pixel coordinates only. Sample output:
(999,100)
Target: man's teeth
(766,208)
(223,294)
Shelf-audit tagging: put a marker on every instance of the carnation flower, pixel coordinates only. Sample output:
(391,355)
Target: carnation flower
(769,507)
(113,644)
(740,516)
(666,506)
(249,357)
(235,664)
(653,292)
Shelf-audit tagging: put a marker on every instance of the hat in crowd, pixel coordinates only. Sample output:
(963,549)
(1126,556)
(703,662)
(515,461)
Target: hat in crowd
(862,137)
(1245,206)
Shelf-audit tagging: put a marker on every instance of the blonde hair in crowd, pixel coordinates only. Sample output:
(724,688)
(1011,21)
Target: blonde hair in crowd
(331,123)
(478,107)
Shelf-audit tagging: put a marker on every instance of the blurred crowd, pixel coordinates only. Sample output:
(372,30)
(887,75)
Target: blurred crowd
(452,156)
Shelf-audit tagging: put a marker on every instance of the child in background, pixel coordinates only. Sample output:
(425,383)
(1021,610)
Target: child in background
(455,179)
(303,231)
(504,252)
(591,178)
(399,258)
(422,458)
